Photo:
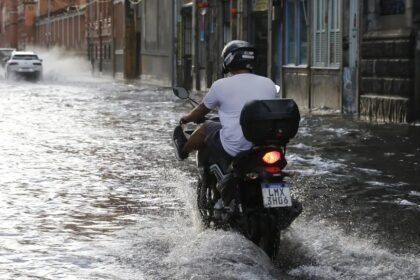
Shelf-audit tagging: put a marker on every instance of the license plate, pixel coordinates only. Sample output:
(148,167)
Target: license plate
(276,195)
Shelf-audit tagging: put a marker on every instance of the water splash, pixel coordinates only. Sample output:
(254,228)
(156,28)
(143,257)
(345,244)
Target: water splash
(324,251)
(61,65)
(220,255)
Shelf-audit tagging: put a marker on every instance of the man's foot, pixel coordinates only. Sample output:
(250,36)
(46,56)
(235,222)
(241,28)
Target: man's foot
(179,140)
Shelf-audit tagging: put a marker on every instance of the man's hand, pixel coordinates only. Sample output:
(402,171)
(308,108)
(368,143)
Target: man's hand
(183,120)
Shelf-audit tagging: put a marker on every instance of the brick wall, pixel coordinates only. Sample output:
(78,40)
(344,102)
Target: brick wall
(8,22)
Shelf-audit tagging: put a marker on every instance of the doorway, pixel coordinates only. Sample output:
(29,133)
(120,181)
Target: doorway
(258,36)
(184,52)
(350,73)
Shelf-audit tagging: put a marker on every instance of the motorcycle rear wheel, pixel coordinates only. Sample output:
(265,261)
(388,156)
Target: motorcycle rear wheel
(263,231)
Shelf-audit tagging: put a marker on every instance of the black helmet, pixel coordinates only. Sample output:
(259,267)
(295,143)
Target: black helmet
(238,54)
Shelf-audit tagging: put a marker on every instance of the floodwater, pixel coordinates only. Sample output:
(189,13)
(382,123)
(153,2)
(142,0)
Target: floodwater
(360,187)
(90,189)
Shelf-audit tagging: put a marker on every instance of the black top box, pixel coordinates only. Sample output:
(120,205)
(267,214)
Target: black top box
(272,121)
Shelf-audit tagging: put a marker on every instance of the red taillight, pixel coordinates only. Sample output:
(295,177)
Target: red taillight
(271,157)
(273,169)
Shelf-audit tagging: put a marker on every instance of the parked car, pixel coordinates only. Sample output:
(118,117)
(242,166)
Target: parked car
(5,54)
(24,64)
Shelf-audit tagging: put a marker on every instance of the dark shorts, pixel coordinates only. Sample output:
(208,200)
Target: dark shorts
(213,142)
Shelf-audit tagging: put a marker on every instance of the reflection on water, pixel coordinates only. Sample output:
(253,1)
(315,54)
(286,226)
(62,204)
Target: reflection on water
(79,164)
(90,190)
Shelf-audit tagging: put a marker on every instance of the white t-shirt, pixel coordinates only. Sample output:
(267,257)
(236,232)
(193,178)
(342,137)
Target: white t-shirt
(230,95)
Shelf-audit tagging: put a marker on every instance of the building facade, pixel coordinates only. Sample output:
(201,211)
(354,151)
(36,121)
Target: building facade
(358,57)
(119,11)
(17,23)
(204,27)
(9,23)
(352,56)
(96,30)
(154,32)
(389,68)
(99,35)
(313,52)
(61,24)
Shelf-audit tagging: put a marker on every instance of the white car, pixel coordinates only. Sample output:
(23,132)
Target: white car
(5,54)
(24,63)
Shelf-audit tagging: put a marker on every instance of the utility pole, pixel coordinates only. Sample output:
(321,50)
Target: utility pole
(240,20)
(174,45)
(270,19)
(194,46)
(101,53)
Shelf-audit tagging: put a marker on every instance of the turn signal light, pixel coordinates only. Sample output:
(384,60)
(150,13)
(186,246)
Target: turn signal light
(271,157)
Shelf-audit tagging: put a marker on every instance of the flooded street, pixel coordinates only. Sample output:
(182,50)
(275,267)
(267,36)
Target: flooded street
(90,189)
(360,188)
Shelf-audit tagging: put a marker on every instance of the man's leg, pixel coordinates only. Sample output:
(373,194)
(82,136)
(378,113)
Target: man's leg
(195,141)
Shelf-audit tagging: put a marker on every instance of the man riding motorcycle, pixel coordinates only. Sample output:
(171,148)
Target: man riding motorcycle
(228,95)
(241,155)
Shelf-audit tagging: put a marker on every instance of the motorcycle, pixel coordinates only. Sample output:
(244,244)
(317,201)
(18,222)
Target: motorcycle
(251,194)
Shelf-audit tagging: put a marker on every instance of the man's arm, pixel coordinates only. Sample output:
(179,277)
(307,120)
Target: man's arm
(196,114)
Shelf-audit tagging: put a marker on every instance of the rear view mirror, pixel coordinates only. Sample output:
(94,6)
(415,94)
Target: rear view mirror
(181,92)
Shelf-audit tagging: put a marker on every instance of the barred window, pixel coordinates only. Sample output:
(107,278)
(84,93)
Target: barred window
(327,46)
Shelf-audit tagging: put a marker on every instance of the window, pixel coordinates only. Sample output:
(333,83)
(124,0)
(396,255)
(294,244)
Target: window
(327,33)
(392,7)
(296,43)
